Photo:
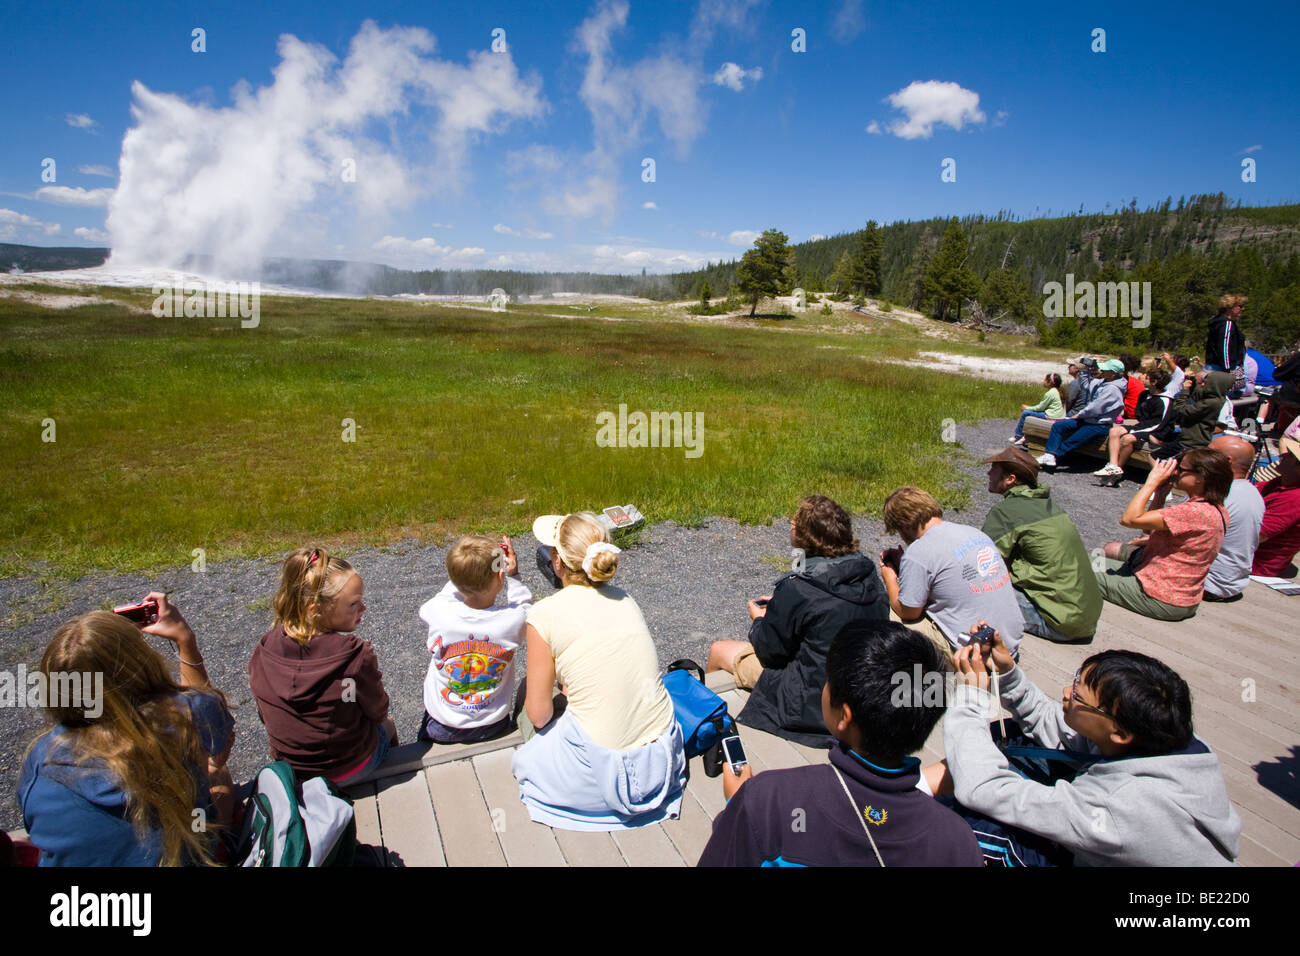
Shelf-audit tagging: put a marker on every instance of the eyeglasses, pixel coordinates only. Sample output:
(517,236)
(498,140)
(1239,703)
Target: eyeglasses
(1074,698)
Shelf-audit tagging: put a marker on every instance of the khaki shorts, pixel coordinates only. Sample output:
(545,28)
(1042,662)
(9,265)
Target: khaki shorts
(746,668)
(930,630)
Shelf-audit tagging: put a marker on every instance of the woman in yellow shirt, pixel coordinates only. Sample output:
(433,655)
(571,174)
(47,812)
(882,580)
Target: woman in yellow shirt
(613,757)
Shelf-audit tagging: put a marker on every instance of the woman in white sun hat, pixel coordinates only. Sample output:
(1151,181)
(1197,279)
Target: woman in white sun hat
(612,755)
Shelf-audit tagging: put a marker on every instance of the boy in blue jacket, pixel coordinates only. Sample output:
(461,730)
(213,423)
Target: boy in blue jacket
(883,696)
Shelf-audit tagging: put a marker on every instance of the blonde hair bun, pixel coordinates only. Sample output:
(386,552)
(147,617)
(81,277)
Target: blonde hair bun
(577,534)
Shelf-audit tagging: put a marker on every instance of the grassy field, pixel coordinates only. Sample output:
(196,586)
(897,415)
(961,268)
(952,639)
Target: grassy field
(177,434)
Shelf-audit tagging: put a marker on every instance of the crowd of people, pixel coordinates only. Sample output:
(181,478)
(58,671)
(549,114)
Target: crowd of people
(1113,773)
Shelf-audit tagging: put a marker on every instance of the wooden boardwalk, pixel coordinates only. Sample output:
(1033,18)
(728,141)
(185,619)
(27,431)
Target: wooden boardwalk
(459,806)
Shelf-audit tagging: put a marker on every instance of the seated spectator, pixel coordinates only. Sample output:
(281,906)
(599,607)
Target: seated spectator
(130,766)
(1160,575)
(1093,421)
(470,685)
(1177,366)
(1144,790)
(871,777)
(1279,534)
(609,753)
(1230,572)
(1052,406)
(950,575)
(1200,406)
(1133,385)
(784,660)
(1155,424)
(318,688)
(1050,569)
(1084,371)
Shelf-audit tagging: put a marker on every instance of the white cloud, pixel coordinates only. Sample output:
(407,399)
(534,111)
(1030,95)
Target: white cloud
(14,224)
(648,205)
(733,76)
(96,171)
(742,237)
(441,225)
(930,103)
(427,253)
(1000,118)
(185,190)
(74,195)
(80,121)
(874,127)
(815,236)
(850,20)
(91,235)
(1251,149)
(505,230)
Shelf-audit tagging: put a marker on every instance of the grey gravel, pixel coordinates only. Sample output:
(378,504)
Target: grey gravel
(691,583)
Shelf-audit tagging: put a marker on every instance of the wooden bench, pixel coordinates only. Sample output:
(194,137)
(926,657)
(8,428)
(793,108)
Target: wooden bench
(1037,430)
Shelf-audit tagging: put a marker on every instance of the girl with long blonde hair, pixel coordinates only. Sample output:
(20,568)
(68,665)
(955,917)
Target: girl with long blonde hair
(133,772)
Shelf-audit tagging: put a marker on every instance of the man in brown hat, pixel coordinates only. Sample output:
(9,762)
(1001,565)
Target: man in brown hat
(1053,578)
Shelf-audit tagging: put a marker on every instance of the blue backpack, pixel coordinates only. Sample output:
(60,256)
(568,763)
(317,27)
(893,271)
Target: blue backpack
(701,714)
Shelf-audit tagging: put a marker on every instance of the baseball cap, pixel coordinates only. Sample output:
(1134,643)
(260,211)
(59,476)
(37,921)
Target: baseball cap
(1017,461)
(1112,365)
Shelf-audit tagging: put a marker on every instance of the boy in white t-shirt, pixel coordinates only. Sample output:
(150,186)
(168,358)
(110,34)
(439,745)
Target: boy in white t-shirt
(469,689)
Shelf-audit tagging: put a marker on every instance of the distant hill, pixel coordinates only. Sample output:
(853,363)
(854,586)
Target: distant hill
(42,259)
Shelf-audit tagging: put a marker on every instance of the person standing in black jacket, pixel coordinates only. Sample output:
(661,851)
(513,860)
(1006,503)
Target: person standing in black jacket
(1225,344)
(784,660)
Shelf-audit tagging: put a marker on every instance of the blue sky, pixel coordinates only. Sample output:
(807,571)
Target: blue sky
(533,157)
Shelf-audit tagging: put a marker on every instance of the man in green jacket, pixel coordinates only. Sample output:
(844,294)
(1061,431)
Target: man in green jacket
(1053,579)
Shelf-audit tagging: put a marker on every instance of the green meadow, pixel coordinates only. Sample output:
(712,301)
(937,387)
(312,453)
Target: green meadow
(185,433)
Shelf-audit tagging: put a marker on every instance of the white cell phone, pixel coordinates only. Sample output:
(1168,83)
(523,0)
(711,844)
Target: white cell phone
(733,752)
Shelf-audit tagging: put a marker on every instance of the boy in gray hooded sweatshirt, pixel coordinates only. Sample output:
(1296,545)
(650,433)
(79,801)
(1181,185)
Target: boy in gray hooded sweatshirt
(1154,796)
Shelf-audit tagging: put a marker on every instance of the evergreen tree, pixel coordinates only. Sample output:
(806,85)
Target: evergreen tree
(763,268)
(950,280)
(866,266)
(1006,296)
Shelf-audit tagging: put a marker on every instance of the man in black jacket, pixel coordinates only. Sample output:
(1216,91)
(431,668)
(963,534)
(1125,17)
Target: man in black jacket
(784,660)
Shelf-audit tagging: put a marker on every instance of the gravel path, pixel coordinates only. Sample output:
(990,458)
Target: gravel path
(692,584)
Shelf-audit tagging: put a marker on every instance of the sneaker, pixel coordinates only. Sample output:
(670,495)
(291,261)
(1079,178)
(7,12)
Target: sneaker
(1021,442)
(1046,460)
(1108,470)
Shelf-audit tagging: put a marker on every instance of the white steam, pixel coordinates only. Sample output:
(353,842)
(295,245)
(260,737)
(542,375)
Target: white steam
(268,175)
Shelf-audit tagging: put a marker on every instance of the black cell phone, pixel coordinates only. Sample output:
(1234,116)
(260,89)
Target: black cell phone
(893,558)
(734,753)
(761,602)
(982,636)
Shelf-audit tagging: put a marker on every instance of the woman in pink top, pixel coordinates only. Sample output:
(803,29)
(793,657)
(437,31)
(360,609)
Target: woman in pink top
(1161,574)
